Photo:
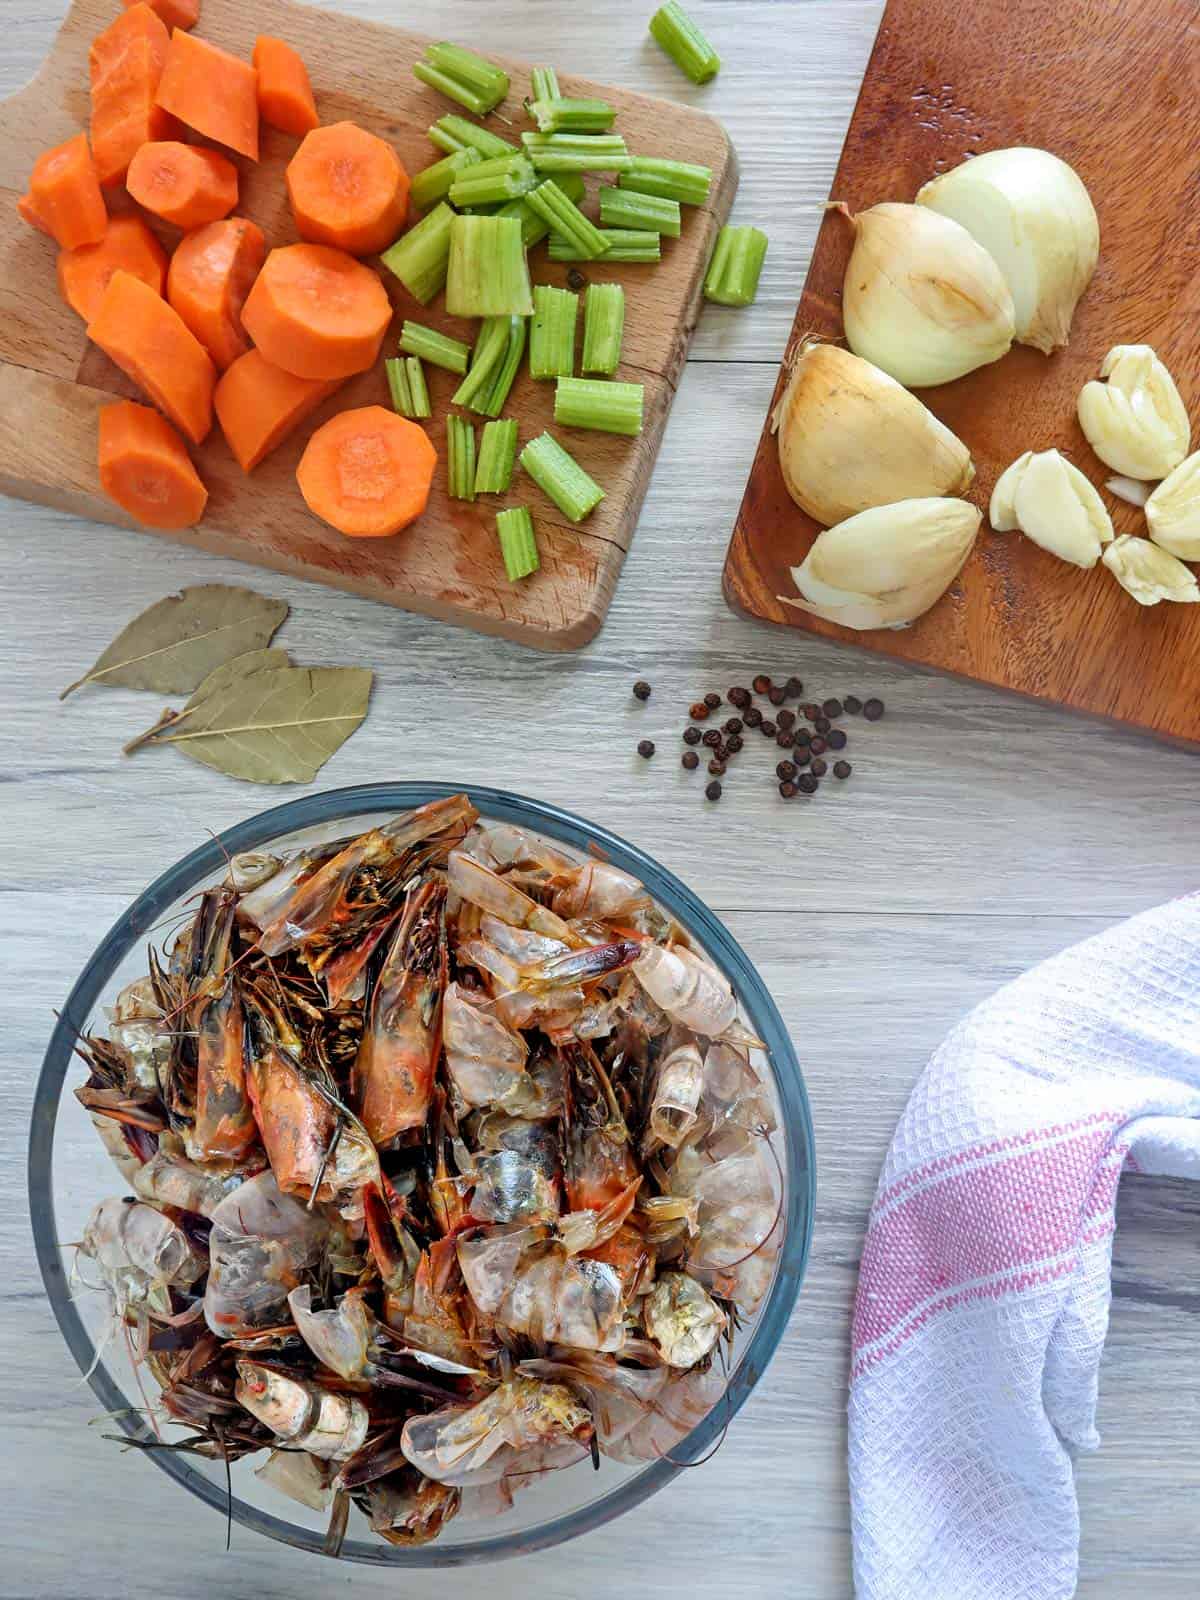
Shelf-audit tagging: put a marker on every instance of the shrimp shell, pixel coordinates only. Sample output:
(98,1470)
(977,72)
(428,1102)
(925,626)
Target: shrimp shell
(331,1426)
(688,989)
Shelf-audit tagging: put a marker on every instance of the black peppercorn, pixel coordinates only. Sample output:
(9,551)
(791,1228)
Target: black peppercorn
(691,736)
(807,784)
(712,699)
(767,728)
(775,695)
(712,791)
(786,770)
(811,712)
(836,740)
(822,724)
(786,718)
(852,704)
(690,760)
(734,725)
(717,768)
(645,748)
(801,738)
(819,768)
(832,708)
(641,690)
(787,790)
(762,684)
(752,717)
(712,738)
(793,688)
(873,710)
(576,280)
(842,769)
(817,747)
(801,757)
(738,696)
(784,739)
(733,744)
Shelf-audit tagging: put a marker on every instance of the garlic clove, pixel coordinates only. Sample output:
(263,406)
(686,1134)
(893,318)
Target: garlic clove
(1173,511)
(1135,421)
(851,437)
(1150,574)
(1134,491)
(921,299)
(1031,212)
(1051,502)
(885,567)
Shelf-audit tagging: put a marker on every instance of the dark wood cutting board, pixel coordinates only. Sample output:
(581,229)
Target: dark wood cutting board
(1112,87)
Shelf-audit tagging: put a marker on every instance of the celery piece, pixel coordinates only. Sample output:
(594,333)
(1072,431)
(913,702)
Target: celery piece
(535,227)
(417,389)
(577,152)
(491,346)
(488,275)
(621,244)
(406,385)
(453,132)
(514,528)
(603,327)
(496,456)
(599,404)
(671,180)
(433,183)
(493,182)
(674,31)
(438,348)
(560,115)
(736,263)
(552,339)
(490,402)
(561,477)
(566,221)
(460,458)
(624,208)
(420,257)
(463,76)
(543,83)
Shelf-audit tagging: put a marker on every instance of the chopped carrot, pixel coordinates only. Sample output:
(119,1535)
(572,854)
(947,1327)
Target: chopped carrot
(65,192)
(348,189)
(150,342)
(211,274)
(258,405)
(145,467)
(182,183)
(28,212)
(212,92)
(126,63)
(175,13)
(285,97)
(127,246)
(367,472)
(317,312)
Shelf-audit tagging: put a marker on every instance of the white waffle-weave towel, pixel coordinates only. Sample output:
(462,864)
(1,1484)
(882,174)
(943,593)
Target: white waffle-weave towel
(984,1290)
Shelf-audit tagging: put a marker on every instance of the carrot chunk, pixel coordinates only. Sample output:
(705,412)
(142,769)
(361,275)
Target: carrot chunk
(285,97)
(126,63)
(145,467)
(348,189)
(175,13)
(210,276)
(258,405)
(367,472)
(317,312)
(212,92)
(150,342)
(28,212)
(65,192)
(182,183)
(127,246)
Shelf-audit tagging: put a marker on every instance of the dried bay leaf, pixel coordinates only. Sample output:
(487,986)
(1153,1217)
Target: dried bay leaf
(243,666)
(278,726)
(177,643)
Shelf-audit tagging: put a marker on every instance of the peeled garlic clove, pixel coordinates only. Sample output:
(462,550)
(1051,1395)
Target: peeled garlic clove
(1150,574)
(851,437)
(1173,511)
(1052,503)
(1135,422)
(1032,214)
(1134,491)
(885,567)
(921,299)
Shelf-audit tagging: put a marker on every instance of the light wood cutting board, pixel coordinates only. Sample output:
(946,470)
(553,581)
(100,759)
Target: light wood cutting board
(1111,86)
(447,565)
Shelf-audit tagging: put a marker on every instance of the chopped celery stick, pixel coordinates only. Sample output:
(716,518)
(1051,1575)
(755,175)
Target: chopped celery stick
(672,180)
(678,35)
(420,257)
(463,76)
(496,457)
(490,403)
(600,404)
(624,208)
(561,477)
(535,227)
(493,182)
(488,275)
(572,116)
(621,244)
(543,82)
(577,152)
(397,382)
(566,221)
(552,338)
(433,183)
(418,392)
(418,340)
(460,458)
(736,263)
(491,346)
(518,546)
(603,327)
(453,132)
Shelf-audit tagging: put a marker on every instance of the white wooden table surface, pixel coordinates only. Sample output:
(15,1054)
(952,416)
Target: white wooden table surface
(976,836)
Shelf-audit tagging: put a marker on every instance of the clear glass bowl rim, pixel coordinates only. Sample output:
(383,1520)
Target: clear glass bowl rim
(334,805)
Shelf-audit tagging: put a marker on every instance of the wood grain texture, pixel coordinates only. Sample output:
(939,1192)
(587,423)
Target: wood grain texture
(447,565)
(1018,617)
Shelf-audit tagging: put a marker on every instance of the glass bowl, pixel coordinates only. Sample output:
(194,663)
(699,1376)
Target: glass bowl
(69,1172)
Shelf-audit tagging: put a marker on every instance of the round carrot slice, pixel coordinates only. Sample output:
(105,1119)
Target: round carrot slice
(145,467)
(183,183)
(316,312)
(127,246)
(367,472)
(347,189)
(210,276)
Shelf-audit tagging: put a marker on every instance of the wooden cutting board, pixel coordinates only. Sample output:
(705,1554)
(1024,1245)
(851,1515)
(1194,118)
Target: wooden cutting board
(447,565)
(1111,86)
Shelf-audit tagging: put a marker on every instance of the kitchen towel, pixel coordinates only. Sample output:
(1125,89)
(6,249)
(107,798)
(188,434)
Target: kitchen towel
(984,1289)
